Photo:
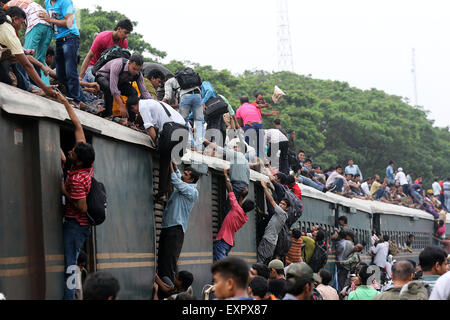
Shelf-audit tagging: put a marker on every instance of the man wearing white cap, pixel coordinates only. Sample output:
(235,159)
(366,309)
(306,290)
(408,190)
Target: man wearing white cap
(401,178)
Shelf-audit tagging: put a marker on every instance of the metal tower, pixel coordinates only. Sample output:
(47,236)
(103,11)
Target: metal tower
(413,70)
(285,60)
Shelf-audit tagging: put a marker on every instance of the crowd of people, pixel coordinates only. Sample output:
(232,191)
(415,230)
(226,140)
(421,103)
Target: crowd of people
(180,113)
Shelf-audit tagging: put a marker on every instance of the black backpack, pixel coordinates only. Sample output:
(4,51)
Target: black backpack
(188,79)
(109,54)
(96,203)
(215,107)
(284,242)
(319,258)
(295,210)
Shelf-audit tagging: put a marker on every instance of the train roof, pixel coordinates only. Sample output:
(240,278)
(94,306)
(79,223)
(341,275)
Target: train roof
(19,102)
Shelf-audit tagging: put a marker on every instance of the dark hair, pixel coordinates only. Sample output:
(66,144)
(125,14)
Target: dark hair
(343,218)
(137,58)
(100,286)
(244,99)
(234,268)
(385,237)
(258,94)
(290,180)
(296,233)
(320,235)
(277,287)
(402,270)
(338,167)
(282,177)
(132,101)
(301,151)
(262,270)
(297,287)
(308,160)
(288,204)
(248,205)
(124,24)
(277,121)
(391,162)
(326,276)
(291,131)
(16,12)
(156,74)
(85,153)
(195,175)
(184,296)
(364,274)
(50,52)
(280,271)
(430,255)
(259,286)
(411,235)
(186,278)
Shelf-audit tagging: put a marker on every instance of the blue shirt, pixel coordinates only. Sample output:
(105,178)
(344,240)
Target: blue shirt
(353,170)
(180,203)
(208,92)
(58,11)
(390,174)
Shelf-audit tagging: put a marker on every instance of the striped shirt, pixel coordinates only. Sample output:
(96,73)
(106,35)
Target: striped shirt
(78,184)
(32,10)
(295,252)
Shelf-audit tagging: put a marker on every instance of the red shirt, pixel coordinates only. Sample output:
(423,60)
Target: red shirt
(78,184)
(441,183)
(296,190)
(256,105)
(103,41)
(234,220)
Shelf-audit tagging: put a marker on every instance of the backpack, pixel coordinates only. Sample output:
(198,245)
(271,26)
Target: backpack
(109,54)
(96,203)
(284,242)
(295,207)
(3,18)
(319,258)
(188,79)
(215,107)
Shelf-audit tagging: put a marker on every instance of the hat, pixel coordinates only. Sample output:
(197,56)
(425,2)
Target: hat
(301,270)
(276,264)
(400,169)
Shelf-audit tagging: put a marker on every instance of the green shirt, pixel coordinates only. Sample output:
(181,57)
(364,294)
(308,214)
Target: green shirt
(308,249)
(363,293)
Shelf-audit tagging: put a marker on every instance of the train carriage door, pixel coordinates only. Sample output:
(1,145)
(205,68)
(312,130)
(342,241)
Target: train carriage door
(218,198)
(376,222)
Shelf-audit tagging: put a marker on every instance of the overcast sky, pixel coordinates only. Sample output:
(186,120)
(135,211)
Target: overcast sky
(367,43)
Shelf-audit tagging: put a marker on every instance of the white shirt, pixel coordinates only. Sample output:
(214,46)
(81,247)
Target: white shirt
(381,252)
(401,178)
(274,136)
(441,289)
(436,188)
(365,188)
(154,115)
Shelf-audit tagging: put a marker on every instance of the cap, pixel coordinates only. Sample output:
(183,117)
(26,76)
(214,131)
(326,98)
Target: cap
(400,169)
(276,264)
(430,191)
(301,270)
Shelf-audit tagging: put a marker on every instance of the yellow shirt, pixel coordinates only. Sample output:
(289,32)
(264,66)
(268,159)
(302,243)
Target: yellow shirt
(116,109)
(375,186)
(9,39)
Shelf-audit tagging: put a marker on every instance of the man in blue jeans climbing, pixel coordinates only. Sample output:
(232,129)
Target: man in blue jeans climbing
(234,220)
(61,15)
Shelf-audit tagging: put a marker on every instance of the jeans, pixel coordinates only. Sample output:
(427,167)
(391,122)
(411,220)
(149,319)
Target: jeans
(74,236)
(193,103)
(66,55)
(379,193)
(221,250)
(254,136)
(39,39)
(88,76)
(219,124)
(417,197)
(311,183)
(339,183)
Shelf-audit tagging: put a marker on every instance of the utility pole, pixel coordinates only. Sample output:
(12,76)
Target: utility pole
(285,59)
(413,70)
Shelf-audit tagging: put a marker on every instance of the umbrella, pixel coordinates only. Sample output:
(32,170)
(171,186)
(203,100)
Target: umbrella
(149,66)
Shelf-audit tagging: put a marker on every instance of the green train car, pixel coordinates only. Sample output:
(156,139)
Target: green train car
(32,131)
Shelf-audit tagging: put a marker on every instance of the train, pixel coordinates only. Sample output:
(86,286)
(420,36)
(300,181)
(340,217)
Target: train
(32,132)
